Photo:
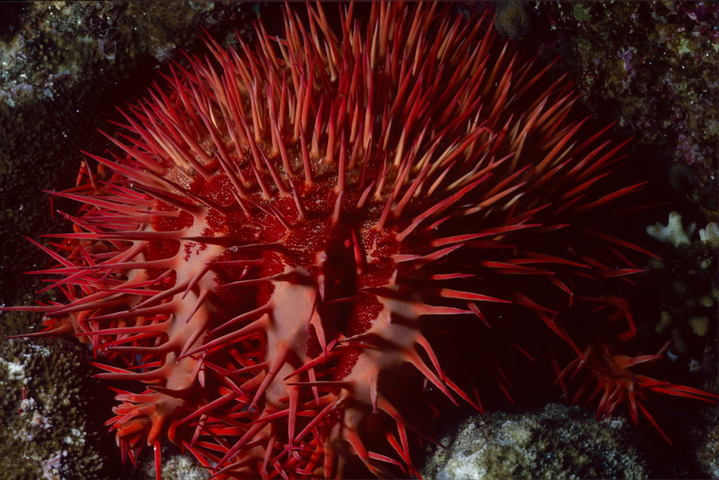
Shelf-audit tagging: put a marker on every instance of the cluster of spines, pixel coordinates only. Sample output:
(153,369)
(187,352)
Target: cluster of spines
(421,122)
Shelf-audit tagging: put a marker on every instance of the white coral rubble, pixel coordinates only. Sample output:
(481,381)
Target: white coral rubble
(673,232)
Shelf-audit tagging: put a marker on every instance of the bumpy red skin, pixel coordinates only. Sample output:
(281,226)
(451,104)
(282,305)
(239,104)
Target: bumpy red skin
(281,225)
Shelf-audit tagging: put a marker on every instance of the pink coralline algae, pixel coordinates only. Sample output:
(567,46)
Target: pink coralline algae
(284,232)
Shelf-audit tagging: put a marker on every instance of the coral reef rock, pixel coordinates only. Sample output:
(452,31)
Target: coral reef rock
(557,442)
(44,432)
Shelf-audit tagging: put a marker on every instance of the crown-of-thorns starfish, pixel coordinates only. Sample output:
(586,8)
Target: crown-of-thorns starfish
(283,225)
